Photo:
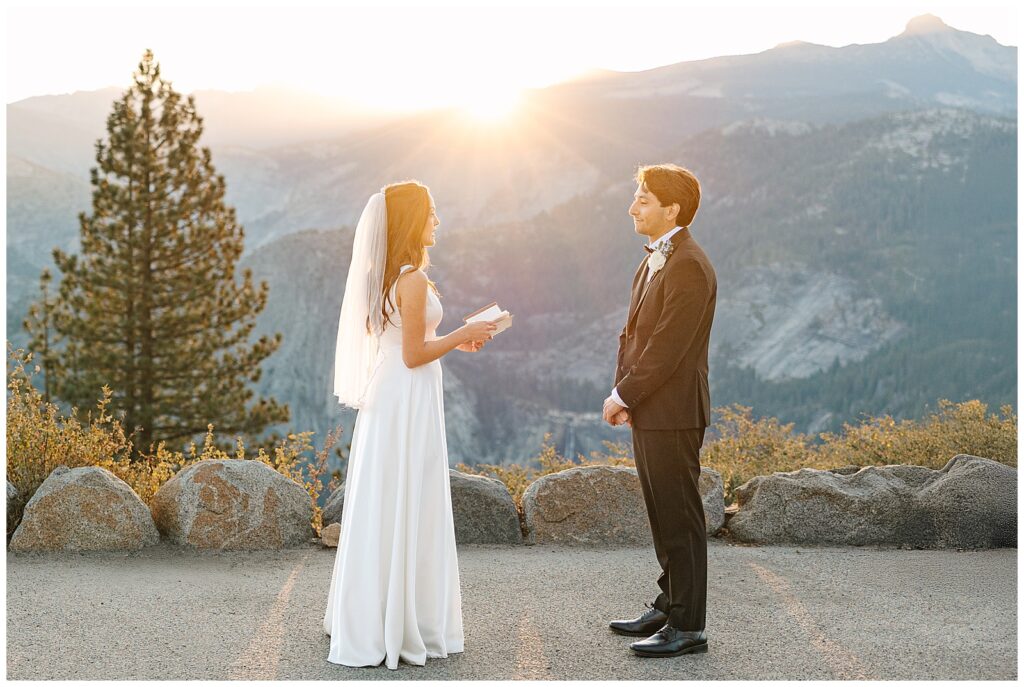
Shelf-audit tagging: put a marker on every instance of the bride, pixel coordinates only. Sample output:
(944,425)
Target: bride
(395,585)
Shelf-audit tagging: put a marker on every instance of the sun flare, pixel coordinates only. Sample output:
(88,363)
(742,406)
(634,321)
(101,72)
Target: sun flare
(492,106)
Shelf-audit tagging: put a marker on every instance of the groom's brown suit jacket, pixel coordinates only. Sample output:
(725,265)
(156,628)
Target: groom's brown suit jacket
(662,369)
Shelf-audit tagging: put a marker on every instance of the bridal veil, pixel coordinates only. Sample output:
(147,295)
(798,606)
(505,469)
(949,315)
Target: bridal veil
(361,321)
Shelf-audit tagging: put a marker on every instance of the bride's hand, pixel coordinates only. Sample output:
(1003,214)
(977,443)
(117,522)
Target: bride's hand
(476,331)
(470,346)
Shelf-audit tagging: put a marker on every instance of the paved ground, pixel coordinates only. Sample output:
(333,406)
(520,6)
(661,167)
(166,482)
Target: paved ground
(529,613)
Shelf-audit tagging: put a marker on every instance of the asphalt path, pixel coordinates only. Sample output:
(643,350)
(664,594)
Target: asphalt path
(529,612)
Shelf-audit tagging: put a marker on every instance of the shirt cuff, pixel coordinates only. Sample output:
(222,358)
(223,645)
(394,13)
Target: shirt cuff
(617,398)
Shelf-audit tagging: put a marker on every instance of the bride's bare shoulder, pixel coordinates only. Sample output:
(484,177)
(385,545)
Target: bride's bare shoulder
(412,278)
(410,285)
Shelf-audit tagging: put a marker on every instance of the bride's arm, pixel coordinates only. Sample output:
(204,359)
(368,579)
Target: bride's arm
(412,304)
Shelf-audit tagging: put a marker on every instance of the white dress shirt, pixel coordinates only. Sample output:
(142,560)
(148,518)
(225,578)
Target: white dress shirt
(652,246)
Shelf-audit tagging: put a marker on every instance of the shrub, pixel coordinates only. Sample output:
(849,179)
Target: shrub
(745,447)
(549,461)
(39,439)
(955,428)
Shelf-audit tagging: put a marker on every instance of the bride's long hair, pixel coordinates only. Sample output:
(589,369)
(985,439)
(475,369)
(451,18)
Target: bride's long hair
(408,207)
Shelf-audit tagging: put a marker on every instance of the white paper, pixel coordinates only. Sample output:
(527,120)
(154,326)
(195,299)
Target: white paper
(501,318)
(492,313)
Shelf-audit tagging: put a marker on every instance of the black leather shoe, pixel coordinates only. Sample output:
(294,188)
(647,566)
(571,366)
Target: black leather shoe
(643,626)
(668,641)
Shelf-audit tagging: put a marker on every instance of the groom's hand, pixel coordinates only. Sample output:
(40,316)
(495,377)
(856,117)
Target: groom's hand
(611,411)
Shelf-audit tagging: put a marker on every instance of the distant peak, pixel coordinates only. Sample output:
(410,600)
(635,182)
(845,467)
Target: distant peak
(926,23)
(792,44)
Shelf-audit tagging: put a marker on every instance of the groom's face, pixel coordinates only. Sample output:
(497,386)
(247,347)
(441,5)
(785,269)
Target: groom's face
(650,219)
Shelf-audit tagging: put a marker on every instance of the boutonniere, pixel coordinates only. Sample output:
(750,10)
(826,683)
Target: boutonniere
(656,260)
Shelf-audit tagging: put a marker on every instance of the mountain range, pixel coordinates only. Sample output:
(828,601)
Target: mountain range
(859,204)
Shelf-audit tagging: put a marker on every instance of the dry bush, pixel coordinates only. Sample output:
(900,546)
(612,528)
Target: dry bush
(746,447)
(549,461)
(615,453)
(288,457)
(955,428)
(39,439)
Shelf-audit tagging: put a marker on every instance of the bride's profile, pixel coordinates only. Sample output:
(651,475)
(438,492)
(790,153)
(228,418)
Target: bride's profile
(394,590)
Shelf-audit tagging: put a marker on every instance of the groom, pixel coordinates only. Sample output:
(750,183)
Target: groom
(661,391)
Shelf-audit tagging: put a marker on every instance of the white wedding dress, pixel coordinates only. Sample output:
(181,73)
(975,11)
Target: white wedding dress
(395,587)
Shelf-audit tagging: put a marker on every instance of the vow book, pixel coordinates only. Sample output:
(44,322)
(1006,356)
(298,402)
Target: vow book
(491,313)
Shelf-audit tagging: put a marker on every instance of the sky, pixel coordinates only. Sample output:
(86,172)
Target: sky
(417,56)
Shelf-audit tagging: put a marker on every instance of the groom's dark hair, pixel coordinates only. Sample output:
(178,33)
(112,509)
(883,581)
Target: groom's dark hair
(672,184)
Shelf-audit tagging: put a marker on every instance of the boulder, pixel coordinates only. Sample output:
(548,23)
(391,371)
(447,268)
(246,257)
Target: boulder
(712,494)
(972,504)
(12,499)
(846,469)
(84,509)
(969,503)
(334,505)
(233,505)
(330,535)
(484,511)
(603,505)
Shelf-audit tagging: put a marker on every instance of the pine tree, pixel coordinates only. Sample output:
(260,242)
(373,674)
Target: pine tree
(151,306)
(39,324)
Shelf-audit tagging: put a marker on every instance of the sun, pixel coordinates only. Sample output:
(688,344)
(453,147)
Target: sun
(492,105)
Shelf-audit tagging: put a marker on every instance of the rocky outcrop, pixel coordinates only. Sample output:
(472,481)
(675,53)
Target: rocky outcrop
(788,321)
(969,503)
(602,505)
(233,505)
(84,509)
(484,511)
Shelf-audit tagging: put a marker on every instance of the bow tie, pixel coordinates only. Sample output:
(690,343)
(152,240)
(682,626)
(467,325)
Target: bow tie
(648,248)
